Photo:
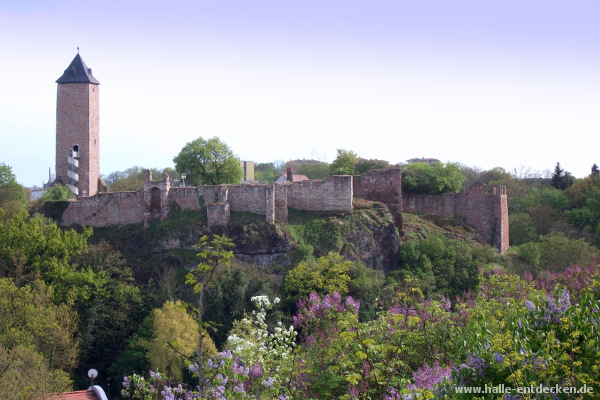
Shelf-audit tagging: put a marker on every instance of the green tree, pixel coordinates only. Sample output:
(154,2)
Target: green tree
(318,170)
(132,179)
(208,162)
(558,252)
(363,165)
(31,319)
(326,275)
(344,163)
(439,178)
(266,172)
(35,247)
(595,169)
(58,192)
(13,197)
(561,179)
(215,254)
(175,340)
(25,374)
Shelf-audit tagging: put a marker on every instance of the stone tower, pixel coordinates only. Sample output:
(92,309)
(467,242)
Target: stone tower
(78,130)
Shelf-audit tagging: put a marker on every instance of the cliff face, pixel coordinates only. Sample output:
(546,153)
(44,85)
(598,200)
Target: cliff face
(367,234)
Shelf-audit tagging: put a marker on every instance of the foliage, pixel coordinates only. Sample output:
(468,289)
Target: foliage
(530,253)
(25,374)
(132,179)
(175,339)
(364,165)
(318,170)
(343,163)
(208,162)
(58,192)
(34,247)
(558,252)
(31,319)
(442,265)
(326,275)
(439,178)
(13,196)
(266,172)
(521,229)
(561,179)
(214,253)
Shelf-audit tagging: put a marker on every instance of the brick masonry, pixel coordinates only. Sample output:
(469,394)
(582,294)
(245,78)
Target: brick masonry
(78,123)
(482,207)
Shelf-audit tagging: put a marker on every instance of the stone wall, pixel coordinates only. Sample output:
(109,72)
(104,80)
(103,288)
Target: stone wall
(334,193)
(484,208)
(384,186)
(106,209)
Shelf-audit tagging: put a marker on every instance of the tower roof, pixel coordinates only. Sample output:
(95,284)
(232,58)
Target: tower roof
(78,72)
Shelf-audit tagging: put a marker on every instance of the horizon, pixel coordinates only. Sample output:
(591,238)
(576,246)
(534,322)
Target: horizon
(486,85)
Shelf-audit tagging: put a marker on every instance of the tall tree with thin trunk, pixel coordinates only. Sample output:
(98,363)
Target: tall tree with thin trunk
(215,253)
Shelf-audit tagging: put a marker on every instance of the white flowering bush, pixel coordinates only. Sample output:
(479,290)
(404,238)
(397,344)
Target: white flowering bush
(255,344)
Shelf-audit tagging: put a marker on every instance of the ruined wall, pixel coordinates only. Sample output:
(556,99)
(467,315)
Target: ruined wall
(334,193)
(425,204)
(255,199)
(105,209)
(281,203)
(484,208)
(196,198)
(382,185)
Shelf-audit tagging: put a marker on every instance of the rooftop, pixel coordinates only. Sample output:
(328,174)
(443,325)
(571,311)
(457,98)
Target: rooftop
(78,72)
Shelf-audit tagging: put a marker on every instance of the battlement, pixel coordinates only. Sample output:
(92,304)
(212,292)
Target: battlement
(484,208)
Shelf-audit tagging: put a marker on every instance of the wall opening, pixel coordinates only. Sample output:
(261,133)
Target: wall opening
(154,203)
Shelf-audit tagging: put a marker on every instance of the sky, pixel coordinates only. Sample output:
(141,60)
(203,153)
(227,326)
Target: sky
(485,83)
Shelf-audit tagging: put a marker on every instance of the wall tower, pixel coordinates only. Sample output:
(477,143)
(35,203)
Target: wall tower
(78,130)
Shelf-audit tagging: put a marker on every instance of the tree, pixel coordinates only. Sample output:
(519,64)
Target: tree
(344,163)
(326,275)
(318,170)
(208,162)
(266,172)
(13,197)
(31,319)
(214,253)
(175,339)
(364,165)
(439,178)
(561,179)
(34,247)
(595,169)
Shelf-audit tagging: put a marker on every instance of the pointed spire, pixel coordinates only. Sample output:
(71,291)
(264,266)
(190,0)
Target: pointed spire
(78,72)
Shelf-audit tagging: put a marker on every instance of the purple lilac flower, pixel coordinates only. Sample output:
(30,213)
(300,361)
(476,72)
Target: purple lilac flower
(256,371)
(393,394)
(428,377)
(499,358)
(530,306)
(268,382)
(126,382)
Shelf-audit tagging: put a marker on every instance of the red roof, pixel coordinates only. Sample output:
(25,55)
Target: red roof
(77,395)
(297,178)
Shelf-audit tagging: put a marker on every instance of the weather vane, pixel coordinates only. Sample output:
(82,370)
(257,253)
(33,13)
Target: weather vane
(77,49)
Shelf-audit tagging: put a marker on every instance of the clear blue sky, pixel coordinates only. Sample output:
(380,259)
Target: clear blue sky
(486,83)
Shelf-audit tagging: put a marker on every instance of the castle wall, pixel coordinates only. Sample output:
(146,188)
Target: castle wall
(382,185)
(106,209)
(334,193)
(255,199)
(281,203)
(484,208)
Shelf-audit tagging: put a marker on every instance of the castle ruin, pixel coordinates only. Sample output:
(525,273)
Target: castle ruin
(78,165)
